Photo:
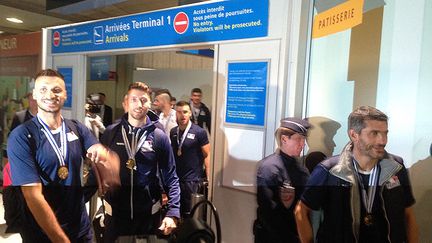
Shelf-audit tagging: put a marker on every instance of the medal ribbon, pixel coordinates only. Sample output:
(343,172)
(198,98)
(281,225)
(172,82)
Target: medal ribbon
(137,142)
(61,151)
(180,142)
(368,197)
(131,150)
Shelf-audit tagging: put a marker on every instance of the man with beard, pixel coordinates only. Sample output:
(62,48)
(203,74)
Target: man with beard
(144,150)
(191,146)
(200,112)
(364,193)
(45,155)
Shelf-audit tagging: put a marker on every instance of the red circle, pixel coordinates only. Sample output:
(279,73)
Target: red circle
(56,38)
(181,22)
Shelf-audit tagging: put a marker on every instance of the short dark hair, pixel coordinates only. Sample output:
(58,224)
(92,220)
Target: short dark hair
(163,91)
(139,86)
(196,90)
(102,94)
(48,73)
(183,103)
(357,118)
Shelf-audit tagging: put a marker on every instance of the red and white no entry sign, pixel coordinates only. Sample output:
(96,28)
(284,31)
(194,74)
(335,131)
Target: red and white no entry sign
(181,22)
(56,38)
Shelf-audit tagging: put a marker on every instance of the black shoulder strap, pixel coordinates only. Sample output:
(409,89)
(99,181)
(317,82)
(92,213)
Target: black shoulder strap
(34,143)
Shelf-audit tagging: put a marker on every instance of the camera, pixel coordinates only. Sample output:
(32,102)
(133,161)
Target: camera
(93,103)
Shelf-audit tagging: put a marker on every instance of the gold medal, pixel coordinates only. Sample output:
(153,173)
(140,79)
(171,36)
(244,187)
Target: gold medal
(368,220)
(63,172)
(130,164)
(179,153)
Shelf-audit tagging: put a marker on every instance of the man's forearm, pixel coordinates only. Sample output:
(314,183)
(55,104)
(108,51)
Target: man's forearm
(43,213)
(304,226)
(411,224)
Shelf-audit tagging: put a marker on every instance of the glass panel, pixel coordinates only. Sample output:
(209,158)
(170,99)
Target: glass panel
(384,62)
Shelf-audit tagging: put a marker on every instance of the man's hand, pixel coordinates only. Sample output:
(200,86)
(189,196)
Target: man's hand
(168,225)
(97,152)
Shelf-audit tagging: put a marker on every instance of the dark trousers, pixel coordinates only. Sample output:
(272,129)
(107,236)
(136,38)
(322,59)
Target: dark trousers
(140,225)
(186,190)
(39,237)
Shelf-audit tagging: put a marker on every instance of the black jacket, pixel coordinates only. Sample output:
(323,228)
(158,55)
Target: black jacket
(342,202)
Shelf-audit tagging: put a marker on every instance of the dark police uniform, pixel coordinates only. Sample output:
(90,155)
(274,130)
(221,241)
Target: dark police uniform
(190,163)
(275,223)
(141,216)
(66,196)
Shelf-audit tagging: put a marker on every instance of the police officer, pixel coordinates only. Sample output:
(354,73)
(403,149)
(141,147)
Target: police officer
(280,181)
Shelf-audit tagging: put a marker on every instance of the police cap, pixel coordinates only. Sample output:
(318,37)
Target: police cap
(298,125)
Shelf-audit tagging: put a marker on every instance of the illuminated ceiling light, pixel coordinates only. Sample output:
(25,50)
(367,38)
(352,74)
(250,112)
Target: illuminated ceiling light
(14,20)
(144,69)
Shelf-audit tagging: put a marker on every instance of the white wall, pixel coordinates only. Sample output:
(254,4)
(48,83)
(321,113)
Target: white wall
(179,82)
(236,204)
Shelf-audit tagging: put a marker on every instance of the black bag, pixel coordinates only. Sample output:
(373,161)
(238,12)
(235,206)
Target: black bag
(14,205)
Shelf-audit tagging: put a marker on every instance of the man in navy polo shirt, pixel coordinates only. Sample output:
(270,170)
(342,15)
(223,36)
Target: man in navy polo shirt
(143,150)
(56,203)
(191,150)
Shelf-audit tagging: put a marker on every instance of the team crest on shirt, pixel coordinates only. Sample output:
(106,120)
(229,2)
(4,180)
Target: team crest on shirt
(147,146)
(393,182)
(71,136)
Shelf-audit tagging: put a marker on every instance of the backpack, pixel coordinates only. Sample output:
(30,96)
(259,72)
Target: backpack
(16,213)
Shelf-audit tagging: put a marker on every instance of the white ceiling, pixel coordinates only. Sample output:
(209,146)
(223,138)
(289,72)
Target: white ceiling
(35,16)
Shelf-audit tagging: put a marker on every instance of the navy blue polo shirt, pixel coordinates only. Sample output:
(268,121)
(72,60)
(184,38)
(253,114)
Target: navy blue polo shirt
(190,164)
(67,200)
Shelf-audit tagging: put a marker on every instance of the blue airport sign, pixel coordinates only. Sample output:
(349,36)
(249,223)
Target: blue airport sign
(215,21)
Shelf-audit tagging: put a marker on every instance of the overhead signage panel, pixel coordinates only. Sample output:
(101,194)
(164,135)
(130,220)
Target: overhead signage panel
(216,21)
(339,18)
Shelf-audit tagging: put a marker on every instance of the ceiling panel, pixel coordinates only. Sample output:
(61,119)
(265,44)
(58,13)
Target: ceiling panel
(35,15)
(32,21)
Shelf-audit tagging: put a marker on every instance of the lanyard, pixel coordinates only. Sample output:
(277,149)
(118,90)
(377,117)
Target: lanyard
(368,197)
(61,151)
(180,142)
(137,142)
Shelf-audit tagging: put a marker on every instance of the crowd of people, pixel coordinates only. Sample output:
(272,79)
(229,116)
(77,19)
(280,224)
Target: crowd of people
(163,152)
